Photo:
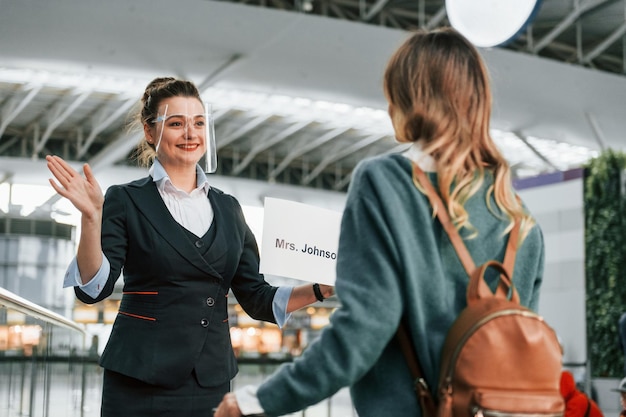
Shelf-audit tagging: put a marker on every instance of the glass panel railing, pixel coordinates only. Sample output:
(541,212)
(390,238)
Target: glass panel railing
(76,385)
(41,367)
(46,371)
(252,371)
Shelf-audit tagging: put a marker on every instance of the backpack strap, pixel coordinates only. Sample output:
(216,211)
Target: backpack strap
(427,402)
(419,177)
(424,396)
(511,248)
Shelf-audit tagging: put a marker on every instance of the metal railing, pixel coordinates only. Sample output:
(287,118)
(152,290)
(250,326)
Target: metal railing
(75,384)
(39,348)
(15,302)
(59,377)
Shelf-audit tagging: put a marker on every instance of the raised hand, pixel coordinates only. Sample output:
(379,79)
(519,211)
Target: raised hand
(83,192)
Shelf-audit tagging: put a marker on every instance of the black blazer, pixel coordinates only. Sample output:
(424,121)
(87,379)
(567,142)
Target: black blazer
(173,316)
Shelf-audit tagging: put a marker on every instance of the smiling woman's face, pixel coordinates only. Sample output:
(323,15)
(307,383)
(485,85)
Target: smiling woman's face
(179,132)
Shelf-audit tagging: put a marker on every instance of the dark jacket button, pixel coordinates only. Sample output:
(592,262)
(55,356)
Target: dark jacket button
(210,301)
(204,323)
(199,243)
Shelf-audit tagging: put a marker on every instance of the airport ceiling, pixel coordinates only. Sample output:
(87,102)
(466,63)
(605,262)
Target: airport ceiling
(295,85)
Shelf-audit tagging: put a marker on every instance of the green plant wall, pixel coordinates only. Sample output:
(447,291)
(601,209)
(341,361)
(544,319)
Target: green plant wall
(605,261)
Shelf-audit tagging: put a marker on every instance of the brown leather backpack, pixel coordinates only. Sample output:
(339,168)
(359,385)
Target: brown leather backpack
(499,358)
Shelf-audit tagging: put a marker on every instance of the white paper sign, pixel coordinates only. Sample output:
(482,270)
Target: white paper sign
(299,241)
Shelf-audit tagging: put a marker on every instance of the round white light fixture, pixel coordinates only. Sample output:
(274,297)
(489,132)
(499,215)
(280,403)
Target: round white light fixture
(488,23)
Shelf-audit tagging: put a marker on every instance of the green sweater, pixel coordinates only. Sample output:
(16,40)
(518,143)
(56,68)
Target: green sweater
(394,259)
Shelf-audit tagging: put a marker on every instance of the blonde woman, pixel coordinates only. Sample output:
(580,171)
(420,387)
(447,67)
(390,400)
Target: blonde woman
(394,258)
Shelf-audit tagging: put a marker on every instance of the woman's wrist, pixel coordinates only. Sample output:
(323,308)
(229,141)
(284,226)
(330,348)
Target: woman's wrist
(318,293)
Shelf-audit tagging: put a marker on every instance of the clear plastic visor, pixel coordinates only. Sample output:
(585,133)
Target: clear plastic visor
(185,135)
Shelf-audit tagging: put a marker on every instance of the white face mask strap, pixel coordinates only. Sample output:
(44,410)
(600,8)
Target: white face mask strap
(162,120)
(187,124)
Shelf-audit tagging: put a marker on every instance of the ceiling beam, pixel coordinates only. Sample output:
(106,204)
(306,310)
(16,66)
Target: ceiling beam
(263,145)
(344,12)
(6,177)
(597,131)
(373,11)
(220,71)
(534,150)
(57,116)
(436,19)
(602,46)
(6,145)
(103,124)
(309,146)
(115,151)
(230,138)
(393,21)
(333,157)
(578,11)
(342,183)
(13,107)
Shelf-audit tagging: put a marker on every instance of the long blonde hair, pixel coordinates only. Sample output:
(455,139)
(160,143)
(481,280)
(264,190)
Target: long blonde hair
(438,92)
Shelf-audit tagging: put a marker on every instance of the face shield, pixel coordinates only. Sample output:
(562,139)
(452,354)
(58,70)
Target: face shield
(185,135)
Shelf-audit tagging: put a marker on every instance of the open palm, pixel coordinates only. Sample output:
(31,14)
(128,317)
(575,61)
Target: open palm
(83,192)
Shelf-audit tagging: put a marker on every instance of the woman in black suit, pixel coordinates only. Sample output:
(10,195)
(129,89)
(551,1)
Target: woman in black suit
(182,245)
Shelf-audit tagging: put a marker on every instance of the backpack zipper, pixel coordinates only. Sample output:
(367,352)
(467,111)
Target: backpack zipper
(482,412)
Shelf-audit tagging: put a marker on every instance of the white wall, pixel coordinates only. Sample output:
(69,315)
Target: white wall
(559,211)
